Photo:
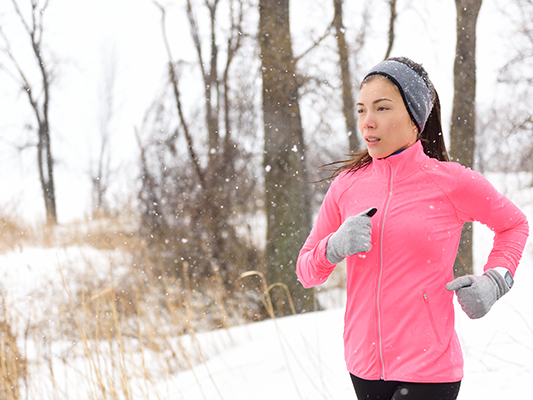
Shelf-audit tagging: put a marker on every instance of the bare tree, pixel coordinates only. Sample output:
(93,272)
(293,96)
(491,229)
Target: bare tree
(392,22)
(38,96)
(516,79)
(197,179)
(100,173)
(346,76)
(287,193)
(463,124)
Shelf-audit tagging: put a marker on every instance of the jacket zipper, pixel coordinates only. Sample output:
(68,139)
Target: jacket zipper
(381,273)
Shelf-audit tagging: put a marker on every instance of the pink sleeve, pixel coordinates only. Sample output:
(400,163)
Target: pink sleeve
(477,200)
(312,267)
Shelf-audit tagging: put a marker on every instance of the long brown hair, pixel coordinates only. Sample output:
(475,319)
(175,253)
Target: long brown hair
(431,137)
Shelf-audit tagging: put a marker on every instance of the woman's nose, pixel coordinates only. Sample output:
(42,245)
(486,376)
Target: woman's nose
(368,121)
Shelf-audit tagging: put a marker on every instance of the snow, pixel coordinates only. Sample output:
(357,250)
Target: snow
(290,358)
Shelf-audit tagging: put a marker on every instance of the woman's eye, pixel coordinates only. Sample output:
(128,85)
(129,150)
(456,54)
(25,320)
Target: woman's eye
(382,108)
(360,111)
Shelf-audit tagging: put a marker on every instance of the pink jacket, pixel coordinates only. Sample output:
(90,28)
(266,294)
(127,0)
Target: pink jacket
(399,321)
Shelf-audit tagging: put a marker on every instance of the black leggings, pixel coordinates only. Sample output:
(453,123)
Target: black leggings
(394,390)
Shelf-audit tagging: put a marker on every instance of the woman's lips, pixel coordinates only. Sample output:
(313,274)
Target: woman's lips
(371,140)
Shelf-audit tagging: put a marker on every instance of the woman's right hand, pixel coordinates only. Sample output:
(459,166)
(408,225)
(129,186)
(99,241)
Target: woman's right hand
(353,236)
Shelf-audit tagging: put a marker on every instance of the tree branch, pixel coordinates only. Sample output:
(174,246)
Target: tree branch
(177,97)
(317,42)
(23,82)
(195,33)
(234,42)
(22,19)
(392,21)
(210,79)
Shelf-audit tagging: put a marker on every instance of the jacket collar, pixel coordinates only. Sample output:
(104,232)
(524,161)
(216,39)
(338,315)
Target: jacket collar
(401,165)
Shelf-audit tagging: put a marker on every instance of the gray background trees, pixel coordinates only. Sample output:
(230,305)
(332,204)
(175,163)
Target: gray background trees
(37,87)
(507,120)
(234,119)
(198,178)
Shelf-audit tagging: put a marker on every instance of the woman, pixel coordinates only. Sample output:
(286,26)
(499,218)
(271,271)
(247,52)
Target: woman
(400,340)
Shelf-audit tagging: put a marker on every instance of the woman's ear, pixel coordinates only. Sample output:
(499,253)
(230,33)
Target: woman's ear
(416,130)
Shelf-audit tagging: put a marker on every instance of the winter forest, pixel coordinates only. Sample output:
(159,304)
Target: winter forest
(163,161)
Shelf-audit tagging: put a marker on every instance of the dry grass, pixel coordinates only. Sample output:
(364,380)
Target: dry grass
(104,234)
(104,325)
(109,332)
(13,368)
(14,232)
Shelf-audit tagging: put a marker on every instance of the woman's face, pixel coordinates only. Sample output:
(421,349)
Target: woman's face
(384,122)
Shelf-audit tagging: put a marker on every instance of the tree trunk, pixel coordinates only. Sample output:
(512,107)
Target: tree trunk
(463,125)
(46,172)
(346,78)
(287,198)
(392,23)
(44,157)
(34,28)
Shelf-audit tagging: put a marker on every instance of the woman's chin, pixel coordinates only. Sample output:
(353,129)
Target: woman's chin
(375,153)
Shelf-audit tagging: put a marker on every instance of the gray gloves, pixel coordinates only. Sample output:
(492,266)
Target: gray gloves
(477,294)
(353,236)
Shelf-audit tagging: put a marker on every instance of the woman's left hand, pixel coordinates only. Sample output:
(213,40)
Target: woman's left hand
(477,294)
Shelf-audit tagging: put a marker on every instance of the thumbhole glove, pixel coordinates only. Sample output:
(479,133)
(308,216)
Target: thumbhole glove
(353,236)
(477,294)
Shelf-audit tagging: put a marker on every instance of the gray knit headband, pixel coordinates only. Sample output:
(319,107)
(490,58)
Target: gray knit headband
(416,94)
